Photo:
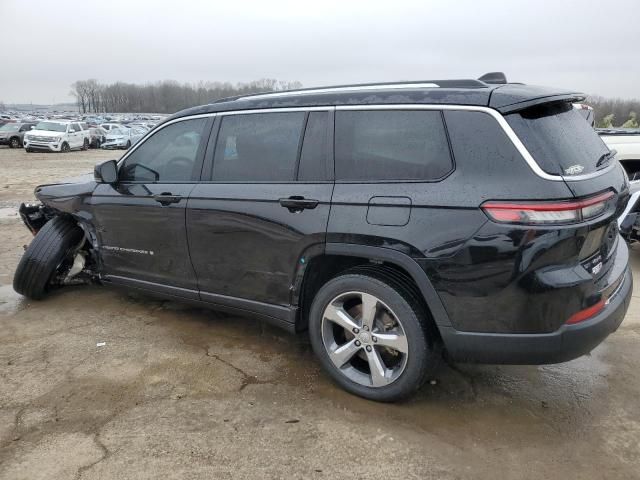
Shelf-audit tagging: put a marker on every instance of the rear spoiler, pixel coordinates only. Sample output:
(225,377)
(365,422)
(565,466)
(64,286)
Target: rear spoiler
(509,97)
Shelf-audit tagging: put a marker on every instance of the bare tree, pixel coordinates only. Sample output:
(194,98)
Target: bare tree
(163,97)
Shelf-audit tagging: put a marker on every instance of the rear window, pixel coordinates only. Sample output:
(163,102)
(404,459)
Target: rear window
(559,139)
(391,145)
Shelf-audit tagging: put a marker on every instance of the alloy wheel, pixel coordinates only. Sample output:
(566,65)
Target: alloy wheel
(364,339)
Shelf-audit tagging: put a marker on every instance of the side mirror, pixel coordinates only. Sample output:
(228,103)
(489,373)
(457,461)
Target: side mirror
(32,127)
(106,172)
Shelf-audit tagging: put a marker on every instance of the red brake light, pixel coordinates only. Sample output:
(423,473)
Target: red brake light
(570,211)
(587,313)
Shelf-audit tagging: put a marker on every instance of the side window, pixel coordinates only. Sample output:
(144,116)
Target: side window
(391,145)
(76,127)
(314,161)
(25,128)
(168,156)
(258,147)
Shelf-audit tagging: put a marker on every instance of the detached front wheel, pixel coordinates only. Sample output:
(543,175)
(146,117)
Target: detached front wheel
(372,337)
(46,254)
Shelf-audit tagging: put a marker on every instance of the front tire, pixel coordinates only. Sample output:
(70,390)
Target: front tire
(15,143)
(46,253)
(128,145)
(371,336)
(65,147)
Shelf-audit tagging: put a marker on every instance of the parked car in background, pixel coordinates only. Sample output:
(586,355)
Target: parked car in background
(123,137)
(109,125)
(57,136)
(12,134)
(626,142)
(97,136)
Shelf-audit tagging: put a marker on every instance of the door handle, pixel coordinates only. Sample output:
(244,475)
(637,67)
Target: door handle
(166,198)
(296,203)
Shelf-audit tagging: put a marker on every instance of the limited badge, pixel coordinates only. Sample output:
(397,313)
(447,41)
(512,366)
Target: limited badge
(596,268)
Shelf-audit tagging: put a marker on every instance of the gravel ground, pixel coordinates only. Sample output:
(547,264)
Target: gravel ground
(182,393)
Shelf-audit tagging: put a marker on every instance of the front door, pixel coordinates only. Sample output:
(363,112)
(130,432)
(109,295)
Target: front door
(141,219)
(266,206)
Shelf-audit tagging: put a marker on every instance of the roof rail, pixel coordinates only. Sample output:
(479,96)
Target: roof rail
(465,83)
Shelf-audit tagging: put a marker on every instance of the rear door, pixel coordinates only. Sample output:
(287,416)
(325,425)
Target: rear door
(140,220)
(263,204)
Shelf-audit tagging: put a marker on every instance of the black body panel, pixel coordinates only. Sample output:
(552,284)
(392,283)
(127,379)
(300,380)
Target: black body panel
(496,291)
(245,244)
(141,238)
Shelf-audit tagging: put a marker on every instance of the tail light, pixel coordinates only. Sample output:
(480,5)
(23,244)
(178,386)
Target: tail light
(548,213)
(587,313)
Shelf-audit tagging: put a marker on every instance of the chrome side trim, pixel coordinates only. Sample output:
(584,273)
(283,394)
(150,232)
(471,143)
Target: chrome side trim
(470,108)
(353,88)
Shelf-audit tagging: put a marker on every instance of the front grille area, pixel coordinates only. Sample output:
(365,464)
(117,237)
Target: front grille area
(36,138)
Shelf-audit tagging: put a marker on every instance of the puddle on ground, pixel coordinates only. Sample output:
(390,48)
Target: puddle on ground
(9,299)
(8,212)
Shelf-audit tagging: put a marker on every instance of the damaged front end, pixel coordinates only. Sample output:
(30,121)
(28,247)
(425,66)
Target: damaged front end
(35,216)
(79,264)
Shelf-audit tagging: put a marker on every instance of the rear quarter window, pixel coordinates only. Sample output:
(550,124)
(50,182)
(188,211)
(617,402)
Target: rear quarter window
(391,145)
(558,138)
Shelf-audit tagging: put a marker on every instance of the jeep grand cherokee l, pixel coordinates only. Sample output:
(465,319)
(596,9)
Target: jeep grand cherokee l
(390,221)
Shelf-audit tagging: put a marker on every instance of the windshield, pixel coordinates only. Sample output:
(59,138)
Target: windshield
(118,131)
(9,127)
(51,127)
(559,139)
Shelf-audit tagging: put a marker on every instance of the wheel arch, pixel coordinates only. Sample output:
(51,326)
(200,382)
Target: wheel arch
(354,255)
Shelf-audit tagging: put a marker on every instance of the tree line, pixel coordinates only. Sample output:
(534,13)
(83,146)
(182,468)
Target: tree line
(163,97)
(615,112)
(170,96)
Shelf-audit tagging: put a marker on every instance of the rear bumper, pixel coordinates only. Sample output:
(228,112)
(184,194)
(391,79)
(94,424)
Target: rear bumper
(567,343)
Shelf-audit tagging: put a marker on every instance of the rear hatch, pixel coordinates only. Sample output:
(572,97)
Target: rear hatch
(565,145)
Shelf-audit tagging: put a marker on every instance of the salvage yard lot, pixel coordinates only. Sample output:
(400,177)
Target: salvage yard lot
(177,392)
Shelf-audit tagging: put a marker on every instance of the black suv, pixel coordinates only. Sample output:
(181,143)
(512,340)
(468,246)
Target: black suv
(391,221)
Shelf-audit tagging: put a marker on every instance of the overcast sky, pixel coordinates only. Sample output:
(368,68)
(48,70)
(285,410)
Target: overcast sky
(591,46)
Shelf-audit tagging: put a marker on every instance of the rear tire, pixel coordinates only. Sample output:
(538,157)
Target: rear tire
(410,352)
(85,145)
(128,145)
(47,251)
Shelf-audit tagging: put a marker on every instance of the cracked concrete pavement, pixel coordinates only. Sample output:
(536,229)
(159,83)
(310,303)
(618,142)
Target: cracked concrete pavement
(183,393)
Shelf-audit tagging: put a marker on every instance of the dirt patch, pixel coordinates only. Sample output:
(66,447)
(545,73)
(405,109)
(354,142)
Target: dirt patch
(96,383)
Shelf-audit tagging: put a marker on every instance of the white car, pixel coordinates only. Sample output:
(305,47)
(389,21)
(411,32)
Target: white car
(110,125)
(57,136)
(626,143)
(123,137)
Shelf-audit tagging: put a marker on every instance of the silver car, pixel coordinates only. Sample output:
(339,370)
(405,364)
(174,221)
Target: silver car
(123,137)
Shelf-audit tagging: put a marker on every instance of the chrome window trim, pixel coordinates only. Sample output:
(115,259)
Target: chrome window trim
(153,131)
(409,106)
(511,134)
